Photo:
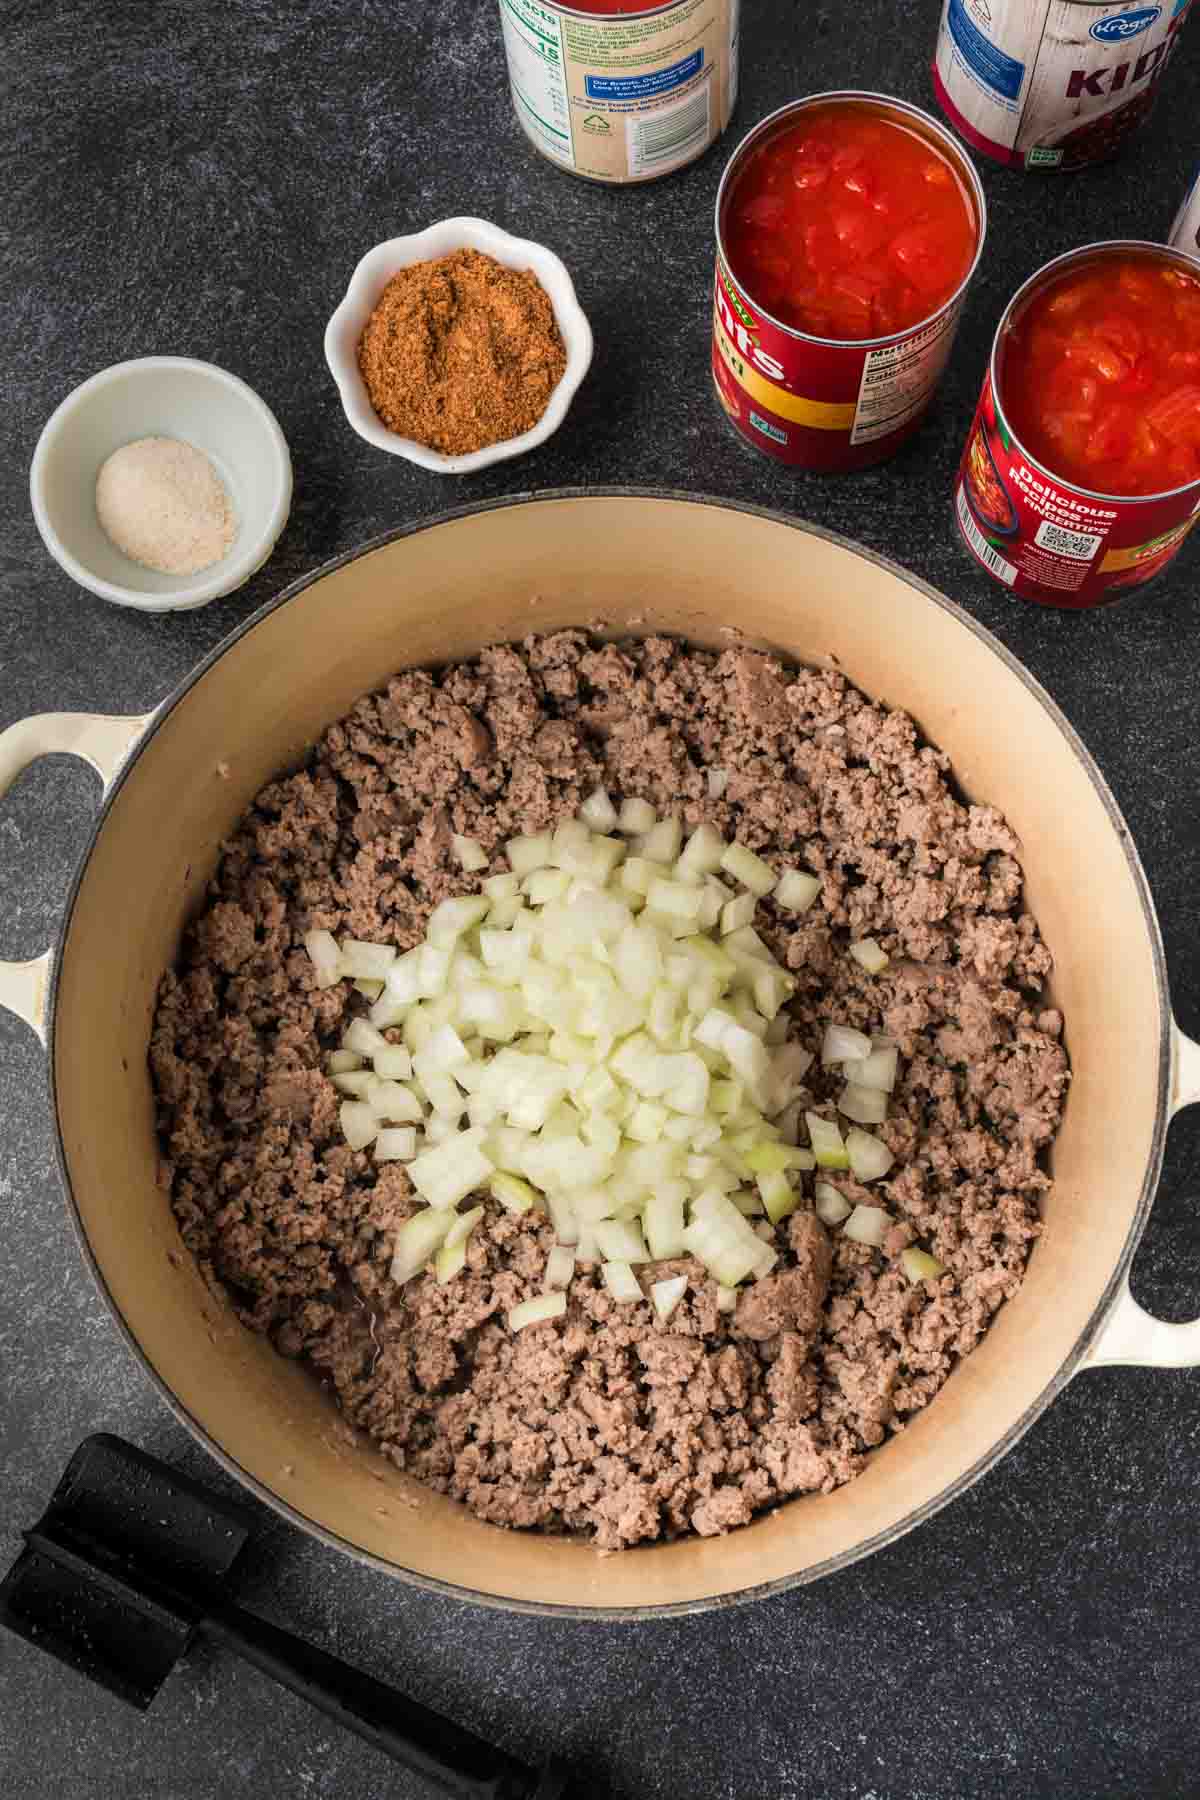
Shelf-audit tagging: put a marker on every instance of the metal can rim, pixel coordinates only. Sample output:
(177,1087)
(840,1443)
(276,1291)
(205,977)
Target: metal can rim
(953,150)
(1170,253)
(617,9)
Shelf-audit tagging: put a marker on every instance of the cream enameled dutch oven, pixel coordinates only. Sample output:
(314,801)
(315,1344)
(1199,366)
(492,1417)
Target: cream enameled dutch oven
(178,780)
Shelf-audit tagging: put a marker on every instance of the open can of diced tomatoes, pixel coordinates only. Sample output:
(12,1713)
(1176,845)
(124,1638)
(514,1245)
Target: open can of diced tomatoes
(1081,475)
(849,226)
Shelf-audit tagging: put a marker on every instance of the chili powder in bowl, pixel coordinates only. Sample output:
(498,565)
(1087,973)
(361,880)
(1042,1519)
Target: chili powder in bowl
(458,346)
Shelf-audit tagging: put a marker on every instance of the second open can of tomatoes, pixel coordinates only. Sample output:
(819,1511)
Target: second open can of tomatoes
(825,403)
(1048,538)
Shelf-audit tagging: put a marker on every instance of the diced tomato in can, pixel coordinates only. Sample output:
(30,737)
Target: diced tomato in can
(1081,474)
(848,228)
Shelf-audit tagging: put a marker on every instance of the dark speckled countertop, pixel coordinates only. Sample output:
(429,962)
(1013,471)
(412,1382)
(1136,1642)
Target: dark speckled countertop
(201,178)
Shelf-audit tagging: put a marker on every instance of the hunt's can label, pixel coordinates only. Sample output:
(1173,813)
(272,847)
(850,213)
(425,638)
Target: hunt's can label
(1185,231)
(1044,537)
(621,90)
(823,403)
(1052,84)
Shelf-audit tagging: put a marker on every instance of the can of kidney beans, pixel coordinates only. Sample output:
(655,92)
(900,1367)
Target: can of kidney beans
(1058,537)
(1052,84)
(830,400)
(622,90)
(1185,230)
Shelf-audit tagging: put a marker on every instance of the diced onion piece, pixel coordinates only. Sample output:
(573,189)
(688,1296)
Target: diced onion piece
(738,912)
(543,885)
(621,1241)
(826,1140)
(869,1156)
(359,1124)
(513,1194)
(703,851)
(364,1039)
(417,1240)
(769,1158)
(661,843)
(666,1295)
(449,1262)
(865,1105)
(462,1225)
(796,890)
(560,1267)
(779,1197)
(525,854)
(918,1265)
(398,1143)
(354,1082)
(673,899)
(326,957)
(663,1220)
(749,869)
(636,817)
(450,918)
(369,960)
(392,1101)
(870,956)
(726,1299)
(832,1206)
(342,1062)
(841,1044)
(393,1063)
(636,875)
(620,1281)
(878,1070)
(370,990)
(718,781)
(537,1311)
(471,855)
(598,811)
(451,1171)
(868,1225)
(500,887)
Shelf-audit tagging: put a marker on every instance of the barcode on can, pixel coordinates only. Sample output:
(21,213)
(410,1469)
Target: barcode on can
(987,554)
(1081,546)
(661,140)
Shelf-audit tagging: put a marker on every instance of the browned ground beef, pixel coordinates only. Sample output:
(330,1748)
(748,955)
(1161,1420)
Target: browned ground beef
(608,1421)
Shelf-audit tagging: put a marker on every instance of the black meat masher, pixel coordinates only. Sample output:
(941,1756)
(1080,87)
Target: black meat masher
(132,1560)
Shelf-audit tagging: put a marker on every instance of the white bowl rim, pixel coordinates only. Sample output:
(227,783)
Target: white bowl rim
(400,252)
(225,577)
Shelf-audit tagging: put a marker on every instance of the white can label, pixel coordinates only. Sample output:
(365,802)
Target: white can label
(626,95)
(1052,83)
(897,379)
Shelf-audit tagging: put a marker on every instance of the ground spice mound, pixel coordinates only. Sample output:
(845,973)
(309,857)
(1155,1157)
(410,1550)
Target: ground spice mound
(461,353)
(607,1421)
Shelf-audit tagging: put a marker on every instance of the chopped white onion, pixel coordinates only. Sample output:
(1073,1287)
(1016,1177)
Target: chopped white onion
(393,1063)
(463,1225)
(398,1143)
(636,817)
(726,1299)
(826,1139)
(598,811)
(471,855)
(621,1281)
(449,1172)
(560,1267)
(417,1240)
(832,1206)
(870,956)
(918,1265)
(369,961)
(666,1295)
(749,869)
(868,1225)
(865,1105)
(449,1262)
(841,1044)
(869,1156)
(796,890)
(878,1070)
(343,1062)
(322,947)
(537,1310)
(718,781)
(359,1124)
(738,912)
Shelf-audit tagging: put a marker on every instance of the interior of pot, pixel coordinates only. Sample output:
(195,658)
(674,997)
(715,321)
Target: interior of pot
(439,593)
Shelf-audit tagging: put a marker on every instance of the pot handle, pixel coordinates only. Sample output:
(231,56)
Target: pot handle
(1131,1335)
(103,742)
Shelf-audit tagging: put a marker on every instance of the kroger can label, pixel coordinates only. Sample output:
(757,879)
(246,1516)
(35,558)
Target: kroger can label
(1052,84)
(824,403)
(1046,538)
(1185,231)
(622,92)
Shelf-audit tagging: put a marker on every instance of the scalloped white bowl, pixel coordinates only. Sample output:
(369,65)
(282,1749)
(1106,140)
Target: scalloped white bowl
(367,283)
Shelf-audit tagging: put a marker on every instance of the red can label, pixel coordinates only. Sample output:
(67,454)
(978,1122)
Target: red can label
(822,405)
(1052,542)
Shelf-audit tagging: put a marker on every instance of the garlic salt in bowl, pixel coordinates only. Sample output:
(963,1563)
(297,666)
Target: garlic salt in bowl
(367,283)
(167,397)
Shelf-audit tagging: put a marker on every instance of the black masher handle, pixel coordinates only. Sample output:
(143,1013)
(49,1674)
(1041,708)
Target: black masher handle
(449,1758)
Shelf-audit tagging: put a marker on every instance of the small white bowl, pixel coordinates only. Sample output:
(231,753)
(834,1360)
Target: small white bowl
(159,396)
(367,283)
